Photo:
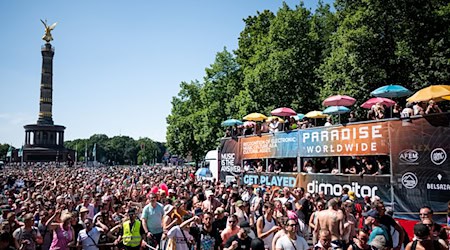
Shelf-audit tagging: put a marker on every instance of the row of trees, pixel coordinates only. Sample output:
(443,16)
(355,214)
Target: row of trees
(296,58)
(118,149)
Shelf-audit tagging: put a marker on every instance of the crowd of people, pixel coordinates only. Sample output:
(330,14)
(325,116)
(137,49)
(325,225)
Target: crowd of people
(377,112)
(155,207)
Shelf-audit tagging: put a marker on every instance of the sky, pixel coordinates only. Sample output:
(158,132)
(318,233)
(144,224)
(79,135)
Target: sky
(117,63)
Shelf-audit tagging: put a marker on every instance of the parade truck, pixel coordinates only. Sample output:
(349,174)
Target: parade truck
(402,161)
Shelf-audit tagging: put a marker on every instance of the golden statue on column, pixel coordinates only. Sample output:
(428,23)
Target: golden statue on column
(48,35)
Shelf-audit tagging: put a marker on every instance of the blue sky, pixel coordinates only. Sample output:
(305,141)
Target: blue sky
(117,64)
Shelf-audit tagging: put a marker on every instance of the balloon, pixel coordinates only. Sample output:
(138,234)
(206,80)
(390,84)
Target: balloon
(164,187)
(154,190)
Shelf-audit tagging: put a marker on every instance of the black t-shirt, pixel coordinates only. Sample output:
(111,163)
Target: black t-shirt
(242,244)
(220,224)
(304,213)
(205,239)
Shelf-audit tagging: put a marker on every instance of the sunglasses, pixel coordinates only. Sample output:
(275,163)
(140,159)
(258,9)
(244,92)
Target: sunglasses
(428,225)
(231,221)
(292,225)
(424,214)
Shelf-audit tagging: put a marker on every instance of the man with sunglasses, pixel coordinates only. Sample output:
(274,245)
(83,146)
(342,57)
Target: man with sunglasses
(152,218)
(291,241)
(241,240)
(427,213)
(131,232)
(231,228)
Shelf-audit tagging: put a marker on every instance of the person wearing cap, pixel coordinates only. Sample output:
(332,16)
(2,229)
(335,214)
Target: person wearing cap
(241,240)
(220,221)
(372,220)
(248,193)
(83,215)
(423,240)
(86,203)
(433,234)
(291,241)
(27,237)
(167,222)
(152,218)
(131,232)
(239,208)
(88,238)
(180,233)
(387,221)
(179,211)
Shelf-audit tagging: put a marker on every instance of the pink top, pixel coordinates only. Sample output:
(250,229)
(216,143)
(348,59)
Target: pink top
(61,238)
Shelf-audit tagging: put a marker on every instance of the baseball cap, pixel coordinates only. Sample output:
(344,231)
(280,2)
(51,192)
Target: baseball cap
(372,213)
(244,224)
(239,203)
(132,210)
(219,210)
(198,211)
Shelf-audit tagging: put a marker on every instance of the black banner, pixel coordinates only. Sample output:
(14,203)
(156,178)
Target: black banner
(421,165)
(230,160)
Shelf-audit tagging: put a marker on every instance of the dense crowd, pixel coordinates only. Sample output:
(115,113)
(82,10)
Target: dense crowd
(153,207)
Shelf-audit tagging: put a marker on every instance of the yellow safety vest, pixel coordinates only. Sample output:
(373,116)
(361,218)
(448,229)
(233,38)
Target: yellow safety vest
(132,238)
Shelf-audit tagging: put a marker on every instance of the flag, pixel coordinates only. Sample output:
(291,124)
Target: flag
(76,152)
(94,151)
(9,153)
(85,152)
(20,154)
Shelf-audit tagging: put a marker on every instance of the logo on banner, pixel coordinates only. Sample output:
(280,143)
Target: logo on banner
(335,189)
(438,156)
(438,185)
(409,180)
(408,156)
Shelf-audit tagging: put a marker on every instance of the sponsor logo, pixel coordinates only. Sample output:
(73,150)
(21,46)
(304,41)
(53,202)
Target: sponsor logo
(409,180)
(438,156)
(438,186)
(270,180)
(336,189)
(408,156)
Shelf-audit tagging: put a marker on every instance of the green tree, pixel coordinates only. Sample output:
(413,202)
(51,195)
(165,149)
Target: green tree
(379,43)
(181,136)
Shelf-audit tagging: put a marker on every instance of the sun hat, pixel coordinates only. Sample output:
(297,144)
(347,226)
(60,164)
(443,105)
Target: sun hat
(168,209)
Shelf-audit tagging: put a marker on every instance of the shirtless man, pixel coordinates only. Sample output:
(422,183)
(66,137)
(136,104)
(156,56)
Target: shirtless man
(332,220)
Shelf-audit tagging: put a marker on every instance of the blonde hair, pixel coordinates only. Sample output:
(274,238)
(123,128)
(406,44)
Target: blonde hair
(65,217)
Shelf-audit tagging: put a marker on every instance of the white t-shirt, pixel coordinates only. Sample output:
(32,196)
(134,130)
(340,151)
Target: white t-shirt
(175,233)
(86,241)
(285,243)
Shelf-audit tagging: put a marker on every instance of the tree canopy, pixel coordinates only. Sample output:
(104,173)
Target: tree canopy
(297,57)
(118,149)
